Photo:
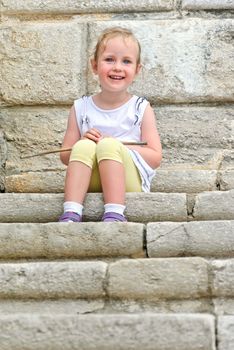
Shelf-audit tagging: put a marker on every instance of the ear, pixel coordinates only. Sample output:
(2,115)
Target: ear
(94,65)
(138,68)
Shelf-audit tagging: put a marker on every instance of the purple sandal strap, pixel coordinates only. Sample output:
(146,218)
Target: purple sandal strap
(111,216)
(70,216)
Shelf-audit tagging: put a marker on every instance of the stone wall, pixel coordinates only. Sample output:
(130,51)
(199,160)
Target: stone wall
(188,77)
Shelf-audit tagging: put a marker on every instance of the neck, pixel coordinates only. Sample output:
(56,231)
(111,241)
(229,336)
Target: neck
(111,100)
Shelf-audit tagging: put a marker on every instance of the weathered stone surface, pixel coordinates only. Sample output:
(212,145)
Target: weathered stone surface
(196,136)
(48,307)
(105,332)
(207,4)
(205,238)
(223,278)
(226,173)
(214,205)
(201,305)
(170,181)
(89,6)
(141,207)
(227,180)
(37,182)
(42,63)
(223,306)
(169,52)
(225,328)
(56,240)
(158,279)
(188,181)
(30,130)
(3,156)
(50,280)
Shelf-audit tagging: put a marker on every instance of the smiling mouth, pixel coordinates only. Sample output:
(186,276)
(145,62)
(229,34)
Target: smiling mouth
(115,77)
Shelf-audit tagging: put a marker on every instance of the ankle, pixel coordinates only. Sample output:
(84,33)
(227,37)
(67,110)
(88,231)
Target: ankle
(114,208)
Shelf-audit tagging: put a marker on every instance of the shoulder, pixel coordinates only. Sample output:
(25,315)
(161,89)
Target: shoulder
(140,104)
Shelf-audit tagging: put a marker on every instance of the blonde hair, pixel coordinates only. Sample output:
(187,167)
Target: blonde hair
(113,32)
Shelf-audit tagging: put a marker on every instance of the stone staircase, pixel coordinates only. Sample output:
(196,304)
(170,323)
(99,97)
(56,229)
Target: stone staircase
(164,280)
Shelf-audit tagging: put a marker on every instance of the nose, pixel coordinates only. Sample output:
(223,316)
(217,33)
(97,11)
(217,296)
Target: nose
(117,65)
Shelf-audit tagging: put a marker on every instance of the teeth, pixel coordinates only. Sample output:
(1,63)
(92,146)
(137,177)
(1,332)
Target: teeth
(116,77)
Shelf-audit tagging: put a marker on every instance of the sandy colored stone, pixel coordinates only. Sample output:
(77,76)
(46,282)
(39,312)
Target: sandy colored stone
(225,327)
(56,240)
(42,63)
(104,332)
(216,205)
(40,280)
(149,279)
(185,181)
(140,207)
(207,4)
(202,238)
(89,6)
(223,278)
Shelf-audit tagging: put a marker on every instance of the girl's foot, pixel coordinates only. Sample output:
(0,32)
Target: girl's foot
(111,216)
(70,216)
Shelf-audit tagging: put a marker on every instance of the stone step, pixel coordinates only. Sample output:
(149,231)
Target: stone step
(147,331)
(167,180)
(87,240)
(126,279)
(71,240)
(200,238)
(141,207)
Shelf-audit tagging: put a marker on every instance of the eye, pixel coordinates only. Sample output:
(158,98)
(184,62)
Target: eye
(109,59)
(126,61)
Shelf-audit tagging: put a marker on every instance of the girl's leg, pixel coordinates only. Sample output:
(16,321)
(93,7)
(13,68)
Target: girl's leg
(118,174)
(78,177)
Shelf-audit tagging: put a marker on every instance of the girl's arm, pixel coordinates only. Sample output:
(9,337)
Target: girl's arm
(72,135)
(152,152)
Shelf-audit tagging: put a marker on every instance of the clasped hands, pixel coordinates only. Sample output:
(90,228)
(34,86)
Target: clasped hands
(94,135)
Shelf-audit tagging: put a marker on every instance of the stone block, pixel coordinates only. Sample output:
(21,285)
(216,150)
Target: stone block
(104,332)
(89,6)
(227,180)
(207,4)
(149,279)
(204,238)
(186,181)
(215,205)
(223,278)
(40,280)
(48,307)
(225,336)
(196,137)
(169,181)
(42,62)
(3,157)
(45,131)
(169,52)
(223,306)
(56,240)
(141,207)
(37,182)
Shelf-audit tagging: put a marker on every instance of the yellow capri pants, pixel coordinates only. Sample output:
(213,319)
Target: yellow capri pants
(91,153)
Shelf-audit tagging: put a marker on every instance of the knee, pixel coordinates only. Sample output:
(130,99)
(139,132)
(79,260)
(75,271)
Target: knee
(109,148)
(84,146)
(108,144)
(84,151)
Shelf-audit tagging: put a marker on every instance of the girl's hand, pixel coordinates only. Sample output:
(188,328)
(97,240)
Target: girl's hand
(92,134)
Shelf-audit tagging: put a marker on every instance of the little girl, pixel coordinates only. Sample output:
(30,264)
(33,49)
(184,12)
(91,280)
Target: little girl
(99,125)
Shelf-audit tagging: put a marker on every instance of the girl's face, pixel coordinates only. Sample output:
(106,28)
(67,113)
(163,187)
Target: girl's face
(117,65)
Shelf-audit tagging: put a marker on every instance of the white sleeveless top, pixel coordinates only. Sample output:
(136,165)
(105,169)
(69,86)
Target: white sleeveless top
(122,123)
